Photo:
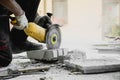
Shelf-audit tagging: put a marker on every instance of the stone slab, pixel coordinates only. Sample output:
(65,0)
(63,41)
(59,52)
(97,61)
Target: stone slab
(94,65)
(48,55)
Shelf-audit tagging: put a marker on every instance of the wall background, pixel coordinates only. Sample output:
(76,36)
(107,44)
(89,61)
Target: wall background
(84,18)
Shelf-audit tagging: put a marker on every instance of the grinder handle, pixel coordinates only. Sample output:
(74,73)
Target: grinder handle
(13,20)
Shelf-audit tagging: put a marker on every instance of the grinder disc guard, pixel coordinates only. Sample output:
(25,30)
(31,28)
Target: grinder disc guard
(53,37)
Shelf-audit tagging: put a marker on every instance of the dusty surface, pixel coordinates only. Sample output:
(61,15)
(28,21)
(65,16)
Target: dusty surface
(71,38)
(57,71)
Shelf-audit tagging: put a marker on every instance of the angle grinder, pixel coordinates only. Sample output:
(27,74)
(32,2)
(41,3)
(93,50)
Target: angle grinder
(51,36)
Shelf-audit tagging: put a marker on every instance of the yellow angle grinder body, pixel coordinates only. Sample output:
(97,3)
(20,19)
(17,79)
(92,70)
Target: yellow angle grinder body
(50,36)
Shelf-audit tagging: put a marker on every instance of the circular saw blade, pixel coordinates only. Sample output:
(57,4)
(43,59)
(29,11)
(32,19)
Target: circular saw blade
(53,37)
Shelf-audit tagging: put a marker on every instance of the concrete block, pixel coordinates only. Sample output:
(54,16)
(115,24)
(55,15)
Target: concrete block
(65,51)
(60,52)
(94,65)
(48,55)
(36,54)
(55,54)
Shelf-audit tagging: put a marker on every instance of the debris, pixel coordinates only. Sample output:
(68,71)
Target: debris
(46,78)
(34,69)
(9,73)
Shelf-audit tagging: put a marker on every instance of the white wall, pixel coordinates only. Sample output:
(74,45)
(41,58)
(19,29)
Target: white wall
(60,11)
(85,16)
(84,22)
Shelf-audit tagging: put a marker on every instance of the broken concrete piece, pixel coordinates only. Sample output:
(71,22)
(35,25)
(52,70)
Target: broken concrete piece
(94,65)
(77,55)
(48,55)
(60,52)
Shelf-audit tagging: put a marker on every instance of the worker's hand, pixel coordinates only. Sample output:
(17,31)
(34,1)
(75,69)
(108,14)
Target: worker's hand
(22,22)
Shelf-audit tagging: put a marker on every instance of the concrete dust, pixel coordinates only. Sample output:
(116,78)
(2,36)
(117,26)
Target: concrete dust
(58,71)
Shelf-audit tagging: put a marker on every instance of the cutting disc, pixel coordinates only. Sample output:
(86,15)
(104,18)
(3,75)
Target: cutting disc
(53,37)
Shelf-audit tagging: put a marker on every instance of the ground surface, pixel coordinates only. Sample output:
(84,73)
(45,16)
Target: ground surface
(58,71)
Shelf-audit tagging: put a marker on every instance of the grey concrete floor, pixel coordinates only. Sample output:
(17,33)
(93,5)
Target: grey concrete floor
(58,72)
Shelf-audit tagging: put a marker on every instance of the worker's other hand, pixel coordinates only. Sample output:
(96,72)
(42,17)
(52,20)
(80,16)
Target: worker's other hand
(22,22)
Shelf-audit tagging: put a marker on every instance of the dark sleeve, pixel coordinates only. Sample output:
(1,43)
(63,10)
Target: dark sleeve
(30,7)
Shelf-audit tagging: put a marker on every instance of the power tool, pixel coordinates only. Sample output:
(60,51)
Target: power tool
(51,35)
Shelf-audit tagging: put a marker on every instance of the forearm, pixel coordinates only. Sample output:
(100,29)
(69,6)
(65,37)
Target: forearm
(13,6)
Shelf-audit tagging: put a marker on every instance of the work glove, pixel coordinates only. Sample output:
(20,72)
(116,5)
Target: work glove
(22,22)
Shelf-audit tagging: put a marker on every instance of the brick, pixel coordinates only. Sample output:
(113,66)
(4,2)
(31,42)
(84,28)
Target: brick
(69,64)
(95,65)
